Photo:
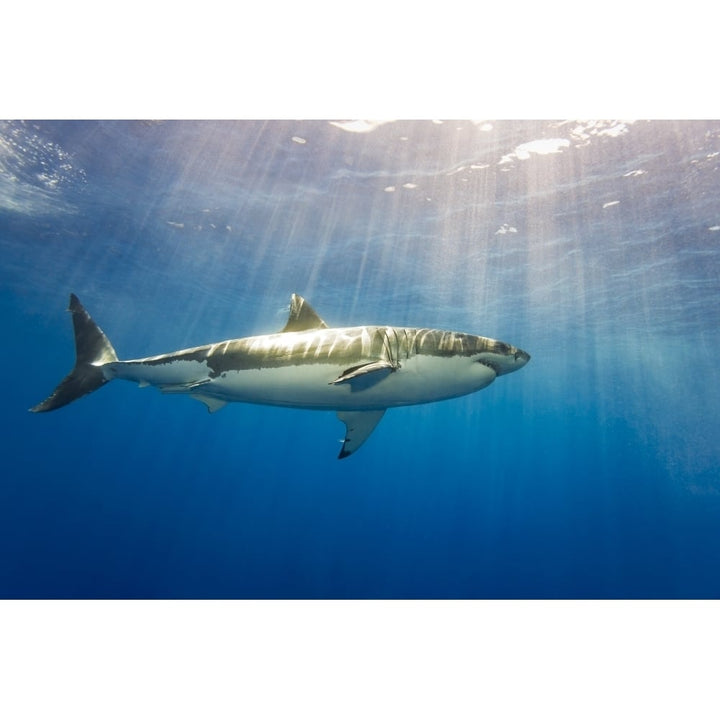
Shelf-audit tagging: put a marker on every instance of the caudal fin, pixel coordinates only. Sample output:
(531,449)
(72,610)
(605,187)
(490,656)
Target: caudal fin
(92,350)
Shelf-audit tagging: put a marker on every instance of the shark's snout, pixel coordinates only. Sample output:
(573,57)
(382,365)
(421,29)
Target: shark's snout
(510,360)
(521,358)
(503,358)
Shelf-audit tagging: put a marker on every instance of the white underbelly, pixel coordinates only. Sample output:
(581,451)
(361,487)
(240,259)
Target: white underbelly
(420,379)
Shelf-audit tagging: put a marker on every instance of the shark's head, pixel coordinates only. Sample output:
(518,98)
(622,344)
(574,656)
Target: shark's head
(476,360)
(499,356)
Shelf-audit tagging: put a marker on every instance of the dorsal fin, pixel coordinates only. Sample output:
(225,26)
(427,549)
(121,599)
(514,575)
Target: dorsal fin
(302,316)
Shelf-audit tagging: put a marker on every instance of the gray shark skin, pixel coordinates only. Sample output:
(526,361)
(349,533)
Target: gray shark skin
(359,372)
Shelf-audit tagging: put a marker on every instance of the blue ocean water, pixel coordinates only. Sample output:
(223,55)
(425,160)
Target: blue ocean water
(594,472)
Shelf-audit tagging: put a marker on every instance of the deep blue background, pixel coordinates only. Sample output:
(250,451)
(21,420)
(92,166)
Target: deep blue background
(592,473)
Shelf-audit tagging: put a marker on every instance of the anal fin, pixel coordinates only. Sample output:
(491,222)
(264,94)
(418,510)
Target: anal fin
(358,427)
(212,404)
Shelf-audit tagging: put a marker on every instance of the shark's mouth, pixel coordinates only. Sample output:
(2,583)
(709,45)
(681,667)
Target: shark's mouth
(491,365)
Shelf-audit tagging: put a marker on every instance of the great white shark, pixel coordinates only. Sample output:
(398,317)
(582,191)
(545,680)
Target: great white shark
(359,372)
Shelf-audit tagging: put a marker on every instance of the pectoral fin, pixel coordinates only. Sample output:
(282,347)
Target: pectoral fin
(358,426)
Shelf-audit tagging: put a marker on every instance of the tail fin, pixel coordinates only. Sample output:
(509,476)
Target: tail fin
(92,350)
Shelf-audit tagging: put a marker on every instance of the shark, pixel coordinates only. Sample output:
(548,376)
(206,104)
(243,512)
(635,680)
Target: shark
(358,372)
